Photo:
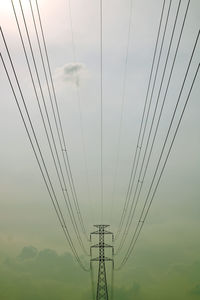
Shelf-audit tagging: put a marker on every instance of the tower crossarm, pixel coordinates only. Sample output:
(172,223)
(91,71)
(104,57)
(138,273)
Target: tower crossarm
(99,232)
(104,259)
(99,245)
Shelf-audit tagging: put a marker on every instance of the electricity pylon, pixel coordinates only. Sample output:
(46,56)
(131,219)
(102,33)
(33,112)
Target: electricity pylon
(102,287)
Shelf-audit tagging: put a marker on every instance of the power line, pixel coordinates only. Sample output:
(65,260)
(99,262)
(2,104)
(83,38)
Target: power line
(141,221)
(67,200)
(157,125)
(141,181)
(79,105)
(68,203)
(71,213)
(122,106)
(59,123)
(138,147)
(47,180)
(101,106)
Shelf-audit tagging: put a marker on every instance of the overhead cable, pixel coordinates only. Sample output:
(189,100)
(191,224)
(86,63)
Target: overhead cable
(122,107)
(64,191)
(144,213)
(66,160)
(138,147)
(80,110)
(41,162)
(101,111)
(140,180)
(58,123)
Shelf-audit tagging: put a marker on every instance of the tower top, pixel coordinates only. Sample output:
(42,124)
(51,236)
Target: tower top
(101,226)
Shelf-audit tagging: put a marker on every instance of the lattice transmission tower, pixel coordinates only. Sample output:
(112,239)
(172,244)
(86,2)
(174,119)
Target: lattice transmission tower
(102,286)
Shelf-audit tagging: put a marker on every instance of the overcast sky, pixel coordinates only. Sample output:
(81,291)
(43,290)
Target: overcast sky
(26,213)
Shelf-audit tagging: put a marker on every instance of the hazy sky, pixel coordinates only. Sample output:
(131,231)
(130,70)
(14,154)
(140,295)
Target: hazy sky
(168,248)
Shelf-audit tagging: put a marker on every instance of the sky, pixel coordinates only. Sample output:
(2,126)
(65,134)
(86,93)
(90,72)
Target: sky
(35,260)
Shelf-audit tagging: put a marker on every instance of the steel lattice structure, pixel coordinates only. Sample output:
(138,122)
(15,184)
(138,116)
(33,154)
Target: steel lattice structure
(102,287)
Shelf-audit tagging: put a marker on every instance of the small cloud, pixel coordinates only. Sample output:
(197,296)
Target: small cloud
(71,73)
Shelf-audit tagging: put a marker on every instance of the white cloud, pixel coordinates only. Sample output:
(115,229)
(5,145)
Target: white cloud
(71,73)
